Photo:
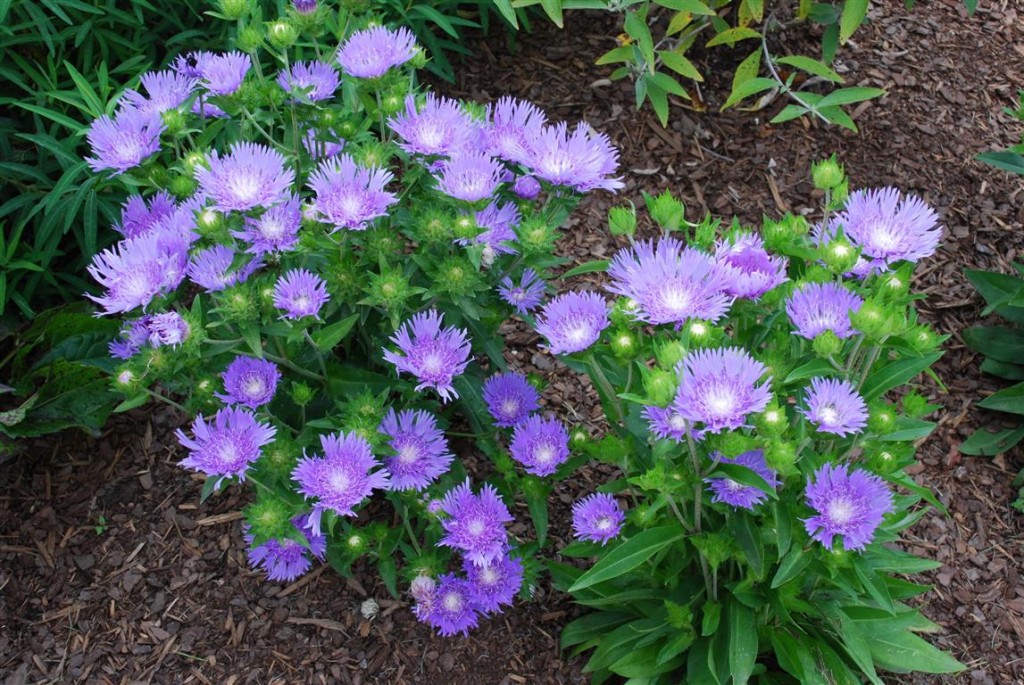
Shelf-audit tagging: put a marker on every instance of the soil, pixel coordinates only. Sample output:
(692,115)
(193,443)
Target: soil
(111,571)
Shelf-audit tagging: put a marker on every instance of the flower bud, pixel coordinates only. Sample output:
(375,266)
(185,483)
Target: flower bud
(280,457)
(624,344)
(537,237)
(622,220)
(237,304)
(916,405)
(250,39)
(537,381)
(922,338)
(839,255)
(373,154)
(873,320)
(669,353)
(623,312)
(826,344)
(704,235)
(772,421)
(356,544)
(780,455)
(182,186)
(882,419)
(388,289)
(526,187)
(269,518)
(304,7)
(127,381)
(579,438)
(660,386)
(827,174)
(302,394)
(466,227)
(282,34)
(701,333)
(233,10)
(666,211)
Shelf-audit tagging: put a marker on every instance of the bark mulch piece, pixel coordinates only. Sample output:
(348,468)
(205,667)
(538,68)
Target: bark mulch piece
(112,572)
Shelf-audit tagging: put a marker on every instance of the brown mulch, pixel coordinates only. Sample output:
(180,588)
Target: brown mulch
(111,570)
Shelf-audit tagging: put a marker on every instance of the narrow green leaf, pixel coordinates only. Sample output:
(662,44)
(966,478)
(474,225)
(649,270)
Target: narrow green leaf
(811,66)
(848,96)
(854,12)
(985,443)
(895,374)
(748,88)
(586,268)
(628,555)
(733,36)
(1009,400)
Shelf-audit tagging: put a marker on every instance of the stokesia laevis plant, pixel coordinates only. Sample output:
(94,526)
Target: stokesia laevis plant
(315,265)
(752,532)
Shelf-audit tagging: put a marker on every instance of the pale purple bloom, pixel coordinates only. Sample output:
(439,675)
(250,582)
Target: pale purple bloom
(540,445)
(134,335)
(849,503)
(818,307)
(748,269)
(666,423)
(423,589)
(136,270)
(434,355)
(167,90)
(889,227)
(190,65)
(834,406)
(526,187)
(210,268)
(597,518)
(123,142)
(669,282)
(718,387)
(526,296)
(222,74)
(276,229)
(347,195)
(510,398)
(582,160)
(440,127)
(168,328)
(341,478)
(421,451)
(313,81)
(226,446)
(499,221)
(573,322)
(139,216)
(286,559)
(371,52)
(452,609)
(204,108)
(475,523)
(494,584)
(300,293)
(249,381)
(469,175)
(512,124)
(737,495)
(252,175)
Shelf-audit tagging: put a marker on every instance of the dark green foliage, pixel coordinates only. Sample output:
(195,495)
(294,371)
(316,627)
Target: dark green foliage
(1011,159)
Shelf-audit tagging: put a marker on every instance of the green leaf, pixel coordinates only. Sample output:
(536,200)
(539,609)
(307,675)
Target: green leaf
(131,403)
(848,96)
(328,337)
(537,503)
(744,476)
(691,6)
(732,36)
(792,564)
(628,555)
(747,69)
(637,29)
(553,8)
(904,652)
(997,288)
(854,12)
(1005,160)
(789,112)
(997,342)
(592,625)
(1009,400)
(811,66)
(619,54)
(748,88)
(1011,372)
(586,268)
(895,374)
(815,367)
(389,574)
(742,642)
(984,443)
(908,429)
(679,64)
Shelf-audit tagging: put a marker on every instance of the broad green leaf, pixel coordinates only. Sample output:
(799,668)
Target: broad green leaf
(908,429)
(592,625)
(815,367)
(854,12)
(984,443)
(848,96)
(744,476)
(586,268)
(637,29)
(791,565)
(1011,372)
(620,54)
(1009,400)
(508,12)
(553,8)
(1005,160)
(789,112)
(732,36)
(537,503)
(748,88)
(997,288)
(691,6)
(679,64)
(811,66)
(904,652)
(997,342)
(836,115)
(895,374)
(747,69)
(628,555)
(328,337)
(742,642)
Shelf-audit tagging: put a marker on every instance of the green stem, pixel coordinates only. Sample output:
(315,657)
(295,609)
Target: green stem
(606,387)
(698,492)
(165,400)
(316,350)
(289,364)
(412,535)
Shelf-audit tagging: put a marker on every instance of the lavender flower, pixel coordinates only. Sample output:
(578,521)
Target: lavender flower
(889,227)
(190,65)
(167,90)
(371,52)
(423,589)
(123,142)
(573,322)
(582,160)
(138,217)
(469,175)
(439,128)
(250,176)
(222,74)
(835,406)
(226,446)
(510,398)
(168,328)
(850,504)
(421,451)
(347,195)
(494,584)
(512,124)
(452,609)
(300,293)
(748,269)
(285,560)
(341,478)
(666,423)
(540,445)
(210,268)
(249,381)
(818,307)
(313,81)
(133,337)
(304,7)
(737,495)
(526,187)
(597,518)
(670,283)
(526,296)
(276,230)
(135,271)
(499,221)
(432,354)
(475,523)
(718,387)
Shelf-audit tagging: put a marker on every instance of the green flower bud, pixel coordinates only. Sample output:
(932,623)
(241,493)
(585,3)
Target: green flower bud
(579,438)
(233,10)
(660,386)
(436,226)
(623,312)
(346,128)
(669,353)
(347,278)
(701,333)
(158,174)
(816,273)
(302,394)
(624,344)
(837,559)
(356,544)
(209,221)
(537,237)
(174,121)
(127,380)
(922,338)
(269,518)
(827,174)
(652,479)
(773,420)
(250,39)
(841,192)
(376,154)
(466,227)
(280,457)
(419,58)
(622,220)
(826,344)
(392,103)
(679,616)
(839,255)
(780,455)
(537,381)
(237,303)
(457,276)
(716,548)
(388,289)
(916,405)
(872,319)
(882,419)
(888,457)
(282,34)
(704,235)
(666,211)
(182,187)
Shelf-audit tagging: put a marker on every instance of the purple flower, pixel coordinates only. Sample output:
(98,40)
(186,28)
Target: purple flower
(348,195)
(286,559)
(250,176)
(168,328)
(669,282)
(190,65)
(421,451)
(835,406)
(512,125)
(432,354)
(123,142)
(510,398)
(439,128)
(371,52)
(666,423)
(276,230)
(222,74)
(748,269)
(341,478)
(540,445)
(204,108)
(889,227)
(718,387)
(597,518)
(226,446)
(249,381)
(582,160)
(499,221)
(573,322)
(850,504)
(526,187)
(737,495)
(305,7)
(138,217)
(423,589)
(167,90)
(210,268)
(452,609)
(475,523)
(134,335)
(526,296)
(494,584)
(313,81)
(135,271)
(818,307)
(300,293)
(469,175)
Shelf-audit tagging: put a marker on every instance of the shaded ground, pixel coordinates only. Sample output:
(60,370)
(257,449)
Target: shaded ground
(110,570)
